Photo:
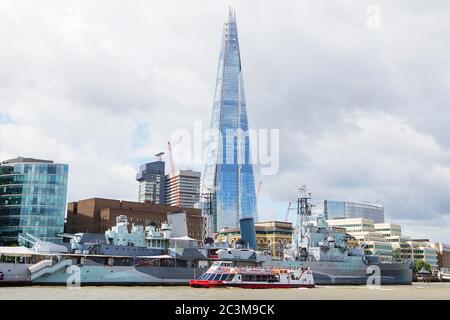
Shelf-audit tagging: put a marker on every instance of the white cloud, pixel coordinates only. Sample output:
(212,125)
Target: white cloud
(373,157)
(362,113)
(91,172)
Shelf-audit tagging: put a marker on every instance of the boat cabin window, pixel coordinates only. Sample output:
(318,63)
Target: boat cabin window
(231,277)
(260,278)
(293,276)
(224,277)
(204,276)
(257,277)
(222,264)
(217,277)
(211,276)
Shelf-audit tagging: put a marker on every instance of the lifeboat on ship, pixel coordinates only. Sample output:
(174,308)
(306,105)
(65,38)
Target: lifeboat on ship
(223,274)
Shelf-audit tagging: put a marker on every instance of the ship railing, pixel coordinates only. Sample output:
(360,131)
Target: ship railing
(148,262)
(144,263)
(283,269)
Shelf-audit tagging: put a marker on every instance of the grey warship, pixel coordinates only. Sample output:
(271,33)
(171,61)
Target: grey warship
(143,256)
(152,256)
(325,251)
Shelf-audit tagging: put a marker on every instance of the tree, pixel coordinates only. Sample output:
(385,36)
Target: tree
(419,264)
(396,255)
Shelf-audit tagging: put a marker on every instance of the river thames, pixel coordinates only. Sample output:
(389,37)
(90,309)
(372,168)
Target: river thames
(416,291)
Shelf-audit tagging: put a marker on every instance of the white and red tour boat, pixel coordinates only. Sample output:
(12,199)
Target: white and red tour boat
(224,274)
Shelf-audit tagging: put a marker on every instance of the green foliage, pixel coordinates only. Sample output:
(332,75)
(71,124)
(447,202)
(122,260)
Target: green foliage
(419,264)
(396,255)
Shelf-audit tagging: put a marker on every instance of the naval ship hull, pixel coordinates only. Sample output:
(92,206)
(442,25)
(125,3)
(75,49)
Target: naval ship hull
(325,273)
(12,274)
(121,275)
(343,273)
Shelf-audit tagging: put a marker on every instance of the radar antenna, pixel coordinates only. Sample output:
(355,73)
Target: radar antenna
(303,210)
(207,213)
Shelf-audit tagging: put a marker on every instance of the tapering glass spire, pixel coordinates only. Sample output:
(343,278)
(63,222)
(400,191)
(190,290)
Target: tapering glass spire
(228,172)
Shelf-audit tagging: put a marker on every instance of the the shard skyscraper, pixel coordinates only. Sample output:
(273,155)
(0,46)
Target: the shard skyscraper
(228,175)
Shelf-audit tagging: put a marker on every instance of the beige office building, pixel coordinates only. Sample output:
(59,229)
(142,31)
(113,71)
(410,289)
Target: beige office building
(271,236)
(420,249)
(386,240)
(374,243)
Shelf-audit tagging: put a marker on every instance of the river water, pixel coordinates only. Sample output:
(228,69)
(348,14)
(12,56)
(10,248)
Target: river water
(415,291)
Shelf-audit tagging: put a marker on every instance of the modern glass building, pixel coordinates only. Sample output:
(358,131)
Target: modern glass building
(336,209)
(152,182)
(228,174)
(32,199)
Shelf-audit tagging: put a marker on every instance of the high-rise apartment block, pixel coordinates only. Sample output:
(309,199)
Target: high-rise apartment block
(180,190)
(183,189)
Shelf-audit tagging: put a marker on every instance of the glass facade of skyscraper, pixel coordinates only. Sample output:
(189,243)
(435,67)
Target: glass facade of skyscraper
(228,174)
(32,199)
(152,182)
(346,209)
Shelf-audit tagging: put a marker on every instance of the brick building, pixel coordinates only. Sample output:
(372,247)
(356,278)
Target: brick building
(443,252)
(96,215)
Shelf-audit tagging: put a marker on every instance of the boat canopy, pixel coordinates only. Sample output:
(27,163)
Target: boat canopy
(163,256)
(185,238)
(17,252)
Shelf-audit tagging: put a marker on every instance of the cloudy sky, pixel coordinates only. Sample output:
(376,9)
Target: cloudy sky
(360,94)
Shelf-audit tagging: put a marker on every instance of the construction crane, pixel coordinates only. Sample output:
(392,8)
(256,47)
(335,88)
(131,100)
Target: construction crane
(259,189)
(257,199)
(206,200)
(289,208)
(172,175)
(172,164)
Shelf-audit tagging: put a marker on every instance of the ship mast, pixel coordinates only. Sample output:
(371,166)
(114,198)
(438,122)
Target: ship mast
(303,211)
(207,214)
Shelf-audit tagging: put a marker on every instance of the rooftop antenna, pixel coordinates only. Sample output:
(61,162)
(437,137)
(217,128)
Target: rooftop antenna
(159,156)
(289,208)
(172,173)
(258,191)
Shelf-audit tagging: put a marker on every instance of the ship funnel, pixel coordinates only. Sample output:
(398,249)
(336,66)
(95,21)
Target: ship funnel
(248,232)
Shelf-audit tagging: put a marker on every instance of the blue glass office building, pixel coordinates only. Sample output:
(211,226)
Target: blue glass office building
(32,199)
(152,182)
(228,174)
(346,209)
